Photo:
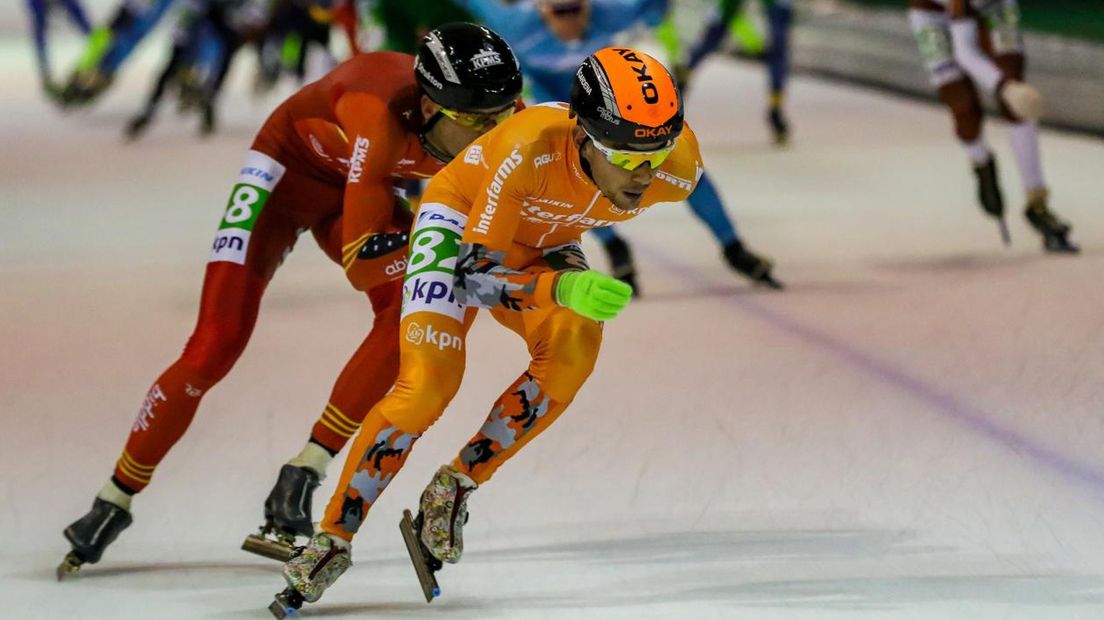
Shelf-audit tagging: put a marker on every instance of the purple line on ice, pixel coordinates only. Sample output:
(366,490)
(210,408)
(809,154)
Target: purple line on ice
(945,404)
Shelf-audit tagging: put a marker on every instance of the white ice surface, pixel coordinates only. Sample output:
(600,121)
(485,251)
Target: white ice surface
(912,430)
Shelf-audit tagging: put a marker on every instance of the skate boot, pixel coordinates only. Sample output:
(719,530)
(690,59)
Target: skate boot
(1055,232)
(754,267)
(989,195)
(207,120)
(138,125)
(444,510)
(91,534)
(621,263)
(779,126)
(287,513)
(436,535)
(313,569)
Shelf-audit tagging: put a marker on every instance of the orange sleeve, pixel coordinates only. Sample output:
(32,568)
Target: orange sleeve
(375,140)
(482,280)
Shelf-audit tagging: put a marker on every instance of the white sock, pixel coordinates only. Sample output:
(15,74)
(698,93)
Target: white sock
(1025,144)
(339,542)
(978,151)
(111,494)
(314,457)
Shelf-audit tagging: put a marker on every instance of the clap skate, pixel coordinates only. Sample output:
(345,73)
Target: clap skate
(309,572)
(1054,231)
(754,267)
(287,513)
(779,126)
(91,534)
(989,195)
(436,535)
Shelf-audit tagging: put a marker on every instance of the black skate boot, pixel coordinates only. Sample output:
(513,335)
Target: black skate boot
(989,195)
(754,267)
(207,120)
(91,534)
(1055,232)
(138,125)
(779,126)
(621,263)
(287,513)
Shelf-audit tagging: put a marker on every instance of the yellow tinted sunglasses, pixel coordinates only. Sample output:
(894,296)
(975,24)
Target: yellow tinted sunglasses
(631,160)
(479,120)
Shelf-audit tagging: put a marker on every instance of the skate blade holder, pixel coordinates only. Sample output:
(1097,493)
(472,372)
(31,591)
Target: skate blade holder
(69,567)
(270,543)
(287,604)
(424,564)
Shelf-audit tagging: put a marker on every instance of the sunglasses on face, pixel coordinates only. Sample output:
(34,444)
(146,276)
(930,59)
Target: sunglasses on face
(566,10)
(479,120)
(631,160)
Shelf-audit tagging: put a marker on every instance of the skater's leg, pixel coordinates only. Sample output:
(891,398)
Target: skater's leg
(237,273)
(706,204)
(563,347)
(78,16)
(367,376)
(429,376)
(779,18)
(622,265)
(38,13)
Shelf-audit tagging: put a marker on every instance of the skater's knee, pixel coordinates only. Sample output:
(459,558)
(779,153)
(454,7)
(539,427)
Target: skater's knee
(213,349)
(962,99)
(565,354)
(420,396)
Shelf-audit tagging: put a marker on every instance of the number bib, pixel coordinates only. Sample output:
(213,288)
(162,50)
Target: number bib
(431,266)
(258,178)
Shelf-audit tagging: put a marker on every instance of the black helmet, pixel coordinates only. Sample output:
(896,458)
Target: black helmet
(466,67)
(627,98)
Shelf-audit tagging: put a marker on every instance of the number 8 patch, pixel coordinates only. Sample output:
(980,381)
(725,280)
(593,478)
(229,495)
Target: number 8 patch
(257,179)
(431,266)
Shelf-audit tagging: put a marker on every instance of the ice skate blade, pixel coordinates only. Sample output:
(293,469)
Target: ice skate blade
(1005,236)
(420,558)
(267,548)
(69,567)
(286,604)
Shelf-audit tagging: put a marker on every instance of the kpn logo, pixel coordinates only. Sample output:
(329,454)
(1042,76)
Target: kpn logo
(418,335)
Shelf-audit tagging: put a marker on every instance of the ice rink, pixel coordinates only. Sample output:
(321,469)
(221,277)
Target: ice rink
(912,429)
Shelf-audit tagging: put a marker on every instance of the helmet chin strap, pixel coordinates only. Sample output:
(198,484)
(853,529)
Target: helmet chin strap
(434,151)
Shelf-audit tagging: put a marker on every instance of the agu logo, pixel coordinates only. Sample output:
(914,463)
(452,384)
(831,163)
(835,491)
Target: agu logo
(418,335)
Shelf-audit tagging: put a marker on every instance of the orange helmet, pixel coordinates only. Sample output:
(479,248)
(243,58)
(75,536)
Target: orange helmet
(626,98)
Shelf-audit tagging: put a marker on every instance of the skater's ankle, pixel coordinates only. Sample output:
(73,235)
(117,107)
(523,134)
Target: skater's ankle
(313,457)
(339,542)
(113,493)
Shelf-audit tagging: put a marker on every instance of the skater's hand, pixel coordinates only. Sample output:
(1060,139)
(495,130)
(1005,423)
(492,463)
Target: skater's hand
(592,294)
(1024,100)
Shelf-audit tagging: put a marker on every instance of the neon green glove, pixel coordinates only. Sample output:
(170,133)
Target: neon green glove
(592,294)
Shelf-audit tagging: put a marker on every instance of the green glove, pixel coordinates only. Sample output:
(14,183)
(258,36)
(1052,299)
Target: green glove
(592,294)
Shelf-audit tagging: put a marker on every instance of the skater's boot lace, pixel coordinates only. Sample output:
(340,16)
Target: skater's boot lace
(317,566)
(444,507)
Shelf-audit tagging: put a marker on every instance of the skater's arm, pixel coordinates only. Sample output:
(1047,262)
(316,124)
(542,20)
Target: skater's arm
(482,280)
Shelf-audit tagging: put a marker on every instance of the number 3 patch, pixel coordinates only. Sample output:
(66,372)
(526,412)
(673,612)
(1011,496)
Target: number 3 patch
(257,179)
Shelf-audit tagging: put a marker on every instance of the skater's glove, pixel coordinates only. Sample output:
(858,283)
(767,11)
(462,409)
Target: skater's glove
(592,294)
(1024,100)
